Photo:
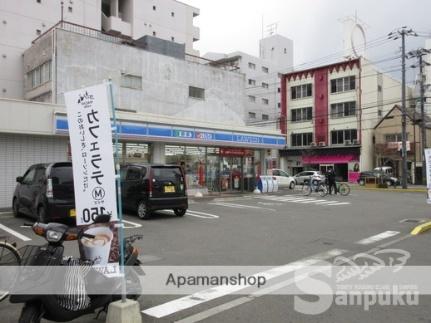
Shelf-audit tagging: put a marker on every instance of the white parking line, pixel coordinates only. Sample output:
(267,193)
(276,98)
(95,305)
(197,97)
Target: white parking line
(378,237)
(241,206)
(197,214)
(220,291)
(16,234)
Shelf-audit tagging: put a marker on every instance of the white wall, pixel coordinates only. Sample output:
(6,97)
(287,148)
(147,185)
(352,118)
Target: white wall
(180,26)
(165,80)
(19,20)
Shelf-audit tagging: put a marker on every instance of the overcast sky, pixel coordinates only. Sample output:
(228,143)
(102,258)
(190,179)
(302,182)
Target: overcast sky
(313,25)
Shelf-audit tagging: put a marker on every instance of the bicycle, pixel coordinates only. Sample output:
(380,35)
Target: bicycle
(342,188)
(9,256)
(314,186)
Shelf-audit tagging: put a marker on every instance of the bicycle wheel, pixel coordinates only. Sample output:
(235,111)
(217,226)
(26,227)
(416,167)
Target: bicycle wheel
(9,256)
(322,190)
(344,189)
(306,190)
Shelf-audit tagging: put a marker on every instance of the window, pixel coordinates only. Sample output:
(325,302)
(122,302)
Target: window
(265,85)
(279,105)
(301,91)
(70,9)
(338,137)
(40,74)
(265,117)
(265,101)
(379,112)
(393,137)
(251,82)
(265,69)
(154,33)
(172,38)
(29,176)
(278,90)
(38,31)
(251,66)
(285,50)
(39,1)
(131,81)
(196,92)
(154,8)
(379,88)
(172,14)
(301,139)
(302,114)
(343,84)
(251,98)
(252,115)
(344,109)
(133,174)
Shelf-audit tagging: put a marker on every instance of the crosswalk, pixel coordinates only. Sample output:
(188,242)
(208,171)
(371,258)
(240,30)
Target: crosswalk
(300,199)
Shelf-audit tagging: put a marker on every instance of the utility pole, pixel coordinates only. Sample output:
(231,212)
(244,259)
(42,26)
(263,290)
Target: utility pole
(420,53)
(402,33)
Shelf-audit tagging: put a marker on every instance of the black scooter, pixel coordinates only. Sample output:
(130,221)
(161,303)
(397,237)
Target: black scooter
(53,307)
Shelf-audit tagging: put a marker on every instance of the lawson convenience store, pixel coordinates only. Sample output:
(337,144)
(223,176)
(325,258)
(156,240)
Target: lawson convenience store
(216,158)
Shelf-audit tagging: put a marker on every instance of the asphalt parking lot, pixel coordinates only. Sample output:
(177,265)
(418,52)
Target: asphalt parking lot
(266,230)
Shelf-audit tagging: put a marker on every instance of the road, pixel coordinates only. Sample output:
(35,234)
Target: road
(267,230)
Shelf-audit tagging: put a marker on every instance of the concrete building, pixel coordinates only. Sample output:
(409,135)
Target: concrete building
(329,114)
(170,110)
(262,92)
(24,20)
(387,148)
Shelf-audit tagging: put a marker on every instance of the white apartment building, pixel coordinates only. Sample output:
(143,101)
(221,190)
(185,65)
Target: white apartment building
(21,21)
(262,77)
(329,114)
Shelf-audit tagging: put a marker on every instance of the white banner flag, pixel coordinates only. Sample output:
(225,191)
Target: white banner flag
(92,155)
(428,170)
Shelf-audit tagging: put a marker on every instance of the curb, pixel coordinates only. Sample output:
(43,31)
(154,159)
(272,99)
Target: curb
(421,228)
(400,190)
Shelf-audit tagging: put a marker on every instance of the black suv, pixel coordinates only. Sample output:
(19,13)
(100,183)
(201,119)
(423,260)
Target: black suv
(45,192)
(147,188)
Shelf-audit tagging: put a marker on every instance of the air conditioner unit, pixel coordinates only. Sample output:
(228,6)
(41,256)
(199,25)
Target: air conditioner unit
(322,144)
(355,142)
(313,144)
(347,142)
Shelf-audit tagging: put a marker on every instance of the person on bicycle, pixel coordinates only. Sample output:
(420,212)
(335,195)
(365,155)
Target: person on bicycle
(331,181)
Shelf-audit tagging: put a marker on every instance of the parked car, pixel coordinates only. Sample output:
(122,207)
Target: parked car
(304,176)
(283,178)
(45,192)
(378,176)
(147,188)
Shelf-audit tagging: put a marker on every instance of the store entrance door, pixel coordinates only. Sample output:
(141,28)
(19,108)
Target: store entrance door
(231,174)
(324,168)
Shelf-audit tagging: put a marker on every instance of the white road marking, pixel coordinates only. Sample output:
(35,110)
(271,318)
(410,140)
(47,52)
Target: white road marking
(220,291)
(378,237)
(242,300)
(338,203)
(134,225)
(16,234)
(241,206)
(197,214)
(311,201)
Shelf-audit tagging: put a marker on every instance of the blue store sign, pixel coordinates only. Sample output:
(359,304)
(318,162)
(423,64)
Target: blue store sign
(148,131)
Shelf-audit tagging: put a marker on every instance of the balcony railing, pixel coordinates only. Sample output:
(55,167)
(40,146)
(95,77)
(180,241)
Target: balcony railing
(393,148)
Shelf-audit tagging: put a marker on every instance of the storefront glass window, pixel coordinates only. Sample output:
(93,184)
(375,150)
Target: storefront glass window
(133,153)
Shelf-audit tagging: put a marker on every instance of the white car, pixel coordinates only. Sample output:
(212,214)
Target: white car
(283,178)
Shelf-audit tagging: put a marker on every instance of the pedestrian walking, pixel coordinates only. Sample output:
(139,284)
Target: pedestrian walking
(331,181)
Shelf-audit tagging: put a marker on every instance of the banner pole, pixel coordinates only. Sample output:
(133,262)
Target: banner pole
(119,203)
